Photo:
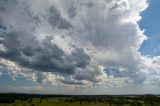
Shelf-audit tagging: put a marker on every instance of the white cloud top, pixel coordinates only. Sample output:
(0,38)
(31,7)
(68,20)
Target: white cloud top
(75,42)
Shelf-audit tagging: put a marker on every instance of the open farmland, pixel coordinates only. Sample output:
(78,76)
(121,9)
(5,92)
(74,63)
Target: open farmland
(78,100)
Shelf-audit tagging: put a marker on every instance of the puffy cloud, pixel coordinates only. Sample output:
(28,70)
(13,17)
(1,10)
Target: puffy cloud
(151,68)
(75,42)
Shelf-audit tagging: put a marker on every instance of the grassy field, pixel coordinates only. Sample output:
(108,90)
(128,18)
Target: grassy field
(50,102)
(99,100)
(56,102)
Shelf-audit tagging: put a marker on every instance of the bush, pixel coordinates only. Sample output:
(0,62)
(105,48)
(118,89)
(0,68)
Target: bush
(14,105)
(32,104)
(135,103)
(5,100)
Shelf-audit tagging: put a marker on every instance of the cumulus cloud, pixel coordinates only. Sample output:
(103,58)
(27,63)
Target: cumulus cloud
(75,42)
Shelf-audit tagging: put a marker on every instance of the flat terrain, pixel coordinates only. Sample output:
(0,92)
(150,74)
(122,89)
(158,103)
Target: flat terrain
(51,102)
(81,100)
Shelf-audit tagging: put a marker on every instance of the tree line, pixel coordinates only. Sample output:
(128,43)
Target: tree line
(120,100)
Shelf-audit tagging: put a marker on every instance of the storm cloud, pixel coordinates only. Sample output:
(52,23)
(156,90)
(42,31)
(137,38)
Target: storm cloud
(75,42)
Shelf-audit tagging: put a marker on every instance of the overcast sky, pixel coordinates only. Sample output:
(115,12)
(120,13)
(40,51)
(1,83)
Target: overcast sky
(80,46)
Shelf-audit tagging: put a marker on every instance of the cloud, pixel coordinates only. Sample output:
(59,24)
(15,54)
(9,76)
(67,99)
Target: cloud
(113,72)
(26,51)
(56,20)
(74,42)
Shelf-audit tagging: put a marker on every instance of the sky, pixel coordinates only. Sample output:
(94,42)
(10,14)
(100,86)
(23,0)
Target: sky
(150,22)
(80,46)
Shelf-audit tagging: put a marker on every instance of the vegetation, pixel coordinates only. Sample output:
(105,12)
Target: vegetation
(78,100)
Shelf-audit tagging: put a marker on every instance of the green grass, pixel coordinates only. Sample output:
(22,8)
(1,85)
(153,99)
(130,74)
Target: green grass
(51,102)
(54,102)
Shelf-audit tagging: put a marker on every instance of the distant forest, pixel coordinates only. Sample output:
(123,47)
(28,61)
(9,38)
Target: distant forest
(111,100)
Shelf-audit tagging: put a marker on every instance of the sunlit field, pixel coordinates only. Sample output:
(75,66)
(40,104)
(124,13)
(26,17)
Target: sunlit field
(77,100)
